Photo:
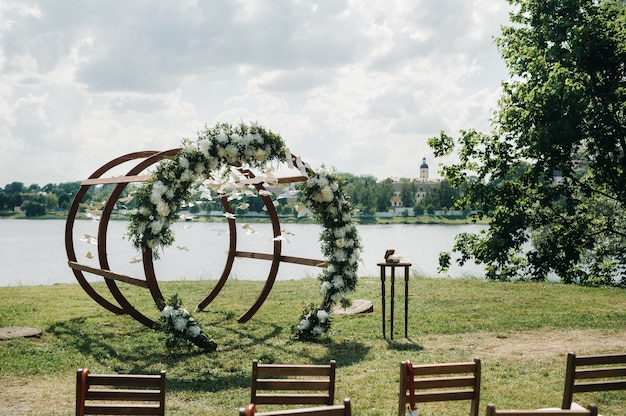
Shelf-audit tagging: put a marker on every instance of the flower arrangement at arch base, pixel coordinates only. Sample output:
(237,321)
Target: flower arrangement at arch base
(182,330)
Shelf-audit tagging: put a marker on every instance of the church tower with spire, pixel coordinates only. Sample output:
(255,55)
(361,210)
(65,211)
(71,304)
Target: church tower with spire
(424,169)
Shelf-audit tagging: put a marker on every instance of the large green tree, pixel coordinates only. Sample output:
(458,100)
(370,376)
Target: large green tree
(551,174)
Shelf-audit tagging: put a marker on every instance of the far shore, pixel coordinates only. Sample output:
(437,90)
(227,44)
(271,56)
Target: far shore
(420,219)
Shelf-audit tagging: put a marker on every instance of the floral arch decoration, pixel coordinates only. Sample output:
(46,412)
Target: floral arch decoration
(219,153)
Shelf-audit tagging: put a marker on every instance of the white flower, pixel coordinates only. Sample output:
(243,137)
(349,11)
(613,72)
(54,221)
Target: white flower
(336,297)
(186,176)
(180,323)
(326,286)
(166,312)
(163,209)
(340,255)
(327,194)
(338,282)
(184,162)
(304,325)
(156,226)
(340,243)
(260,155)
(321,181)
(317,330)
(194,331)
(159,188)
(204,146)
(322,315)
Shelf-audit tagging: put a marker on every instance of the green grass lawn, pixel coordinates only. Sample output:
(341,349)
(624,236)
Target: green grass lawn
(521,331)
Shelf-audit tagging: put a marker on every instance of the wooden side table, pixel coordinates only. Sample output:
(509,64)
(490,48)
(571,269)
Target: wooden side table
(383,269)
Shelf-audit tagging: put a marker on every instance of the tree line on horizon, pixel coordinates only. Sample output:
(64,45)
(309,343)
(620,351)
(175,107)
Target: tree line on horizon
(367,194)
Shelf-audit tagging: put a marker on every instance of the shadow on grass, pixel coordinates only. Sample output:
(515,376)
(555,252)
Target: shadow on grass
(132,349)
(404,346)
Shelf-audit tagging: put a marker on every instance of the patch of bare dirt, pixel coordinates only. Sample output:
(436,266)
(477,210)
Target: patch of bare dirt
(538,344)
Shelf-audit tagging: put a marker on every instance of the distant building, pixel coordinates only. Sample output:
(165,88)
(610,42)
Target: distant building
(424,169)
(423,184)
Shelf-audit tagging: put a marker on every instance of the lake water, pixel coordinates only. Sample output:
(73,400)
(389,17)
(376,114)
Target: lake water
(32,252)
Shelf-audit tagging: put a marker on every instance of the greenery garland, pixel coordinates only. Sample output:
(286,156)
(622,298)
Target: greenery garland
(217,150)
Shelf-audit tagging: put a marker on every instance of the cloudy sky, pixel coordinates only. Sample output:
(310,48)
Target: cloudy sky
(358,85)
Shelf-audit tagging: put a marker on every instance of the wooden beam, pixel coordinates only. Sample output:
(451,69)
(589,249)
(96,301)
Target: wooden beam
(116,179)
(107,274)
(286,259)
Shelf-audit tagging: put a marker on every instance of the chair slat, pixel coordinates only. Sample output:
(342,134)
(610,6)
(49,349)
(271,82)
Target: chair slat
(284,384)
(592,410)
(332,410)
(293,384)
(119,394)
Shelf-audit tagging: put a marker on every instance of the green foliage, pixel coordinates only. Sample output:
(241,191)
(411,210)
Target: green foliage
(552,173)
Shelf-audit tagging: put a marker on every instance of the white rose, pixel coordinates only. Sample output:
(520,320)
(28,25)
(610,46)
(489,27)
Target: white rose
(204,146)
(304,325)
(167,312)
(194,331)
(260,155)
(326,286)
(336,297)
(322,315)
(317,330)
(321,181)
(327,194)
(340,242)
(184,162)
(156,226)
(180,323)
(338,282)
(163,209)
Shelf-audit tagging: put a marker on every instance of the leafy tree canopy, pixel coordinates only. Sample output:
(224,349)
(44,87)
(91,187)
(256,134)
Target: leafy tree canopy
(552,172)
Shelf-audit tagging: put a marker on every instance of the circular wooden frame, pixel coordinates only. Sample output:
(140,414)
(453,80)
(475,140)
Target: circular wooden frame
(111,278)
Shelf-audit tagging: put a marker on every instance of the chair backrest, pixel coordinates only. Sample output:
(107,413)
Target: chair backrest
(119,394)
(440,382)
(591,410)
(289,384)
(332,410)
(593,373)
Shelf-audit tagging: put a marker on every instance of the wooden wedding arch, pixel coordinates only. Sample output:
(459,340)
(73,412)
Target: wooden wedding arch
(144,160)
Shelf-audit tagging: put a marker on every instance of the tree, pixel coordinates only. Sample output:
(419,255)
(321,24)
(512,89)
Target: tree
(14,188)
(34,208)
(384,192)
(408,191)
(552,172)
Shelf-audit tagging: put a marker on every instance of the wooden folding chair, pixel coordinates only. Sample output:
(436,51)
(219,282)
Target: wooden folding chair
(289,384)
(598,373)
(119,394)
(439,382)
(591,410)
(332,410)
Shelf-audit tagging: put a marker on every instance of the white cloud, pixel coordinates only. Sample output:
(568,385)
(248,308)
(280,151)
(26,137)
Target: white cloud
(354,84)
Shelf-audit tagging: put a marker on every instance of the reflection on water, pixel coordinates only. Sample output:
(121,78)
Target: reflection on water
(33,251)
